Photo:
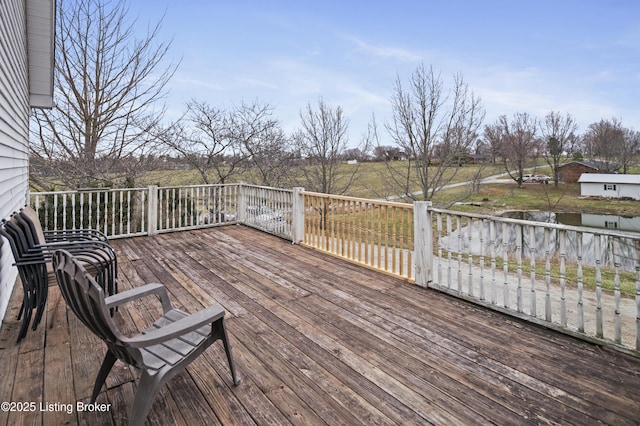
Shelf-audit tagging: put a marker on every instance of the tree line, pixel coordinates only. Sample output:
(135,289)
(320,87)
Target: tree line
(108,125)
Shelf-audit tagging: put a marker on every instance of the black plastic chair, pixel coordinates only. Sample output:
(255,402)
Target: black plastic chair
(33,261)
(30,216)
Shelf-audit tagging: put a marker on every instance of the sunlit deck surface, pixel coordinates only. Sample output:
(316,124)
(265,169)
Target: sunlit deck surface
(316,341)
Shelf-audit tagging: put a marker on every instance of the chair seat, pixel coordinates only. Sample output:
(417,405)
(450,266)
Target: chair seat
(175,350)
(51,273)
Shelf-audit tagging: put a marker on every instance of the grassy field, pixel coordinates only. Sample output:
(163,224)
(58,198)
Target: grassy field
(500,197)
(491,198)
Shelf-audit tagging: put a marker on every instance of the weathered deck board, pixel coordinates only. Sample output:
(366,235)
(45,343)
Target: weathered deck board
(317,341)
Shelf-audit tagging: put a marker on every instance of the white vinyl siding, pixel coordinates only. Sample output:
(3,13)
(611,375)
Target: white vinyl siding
(14,129)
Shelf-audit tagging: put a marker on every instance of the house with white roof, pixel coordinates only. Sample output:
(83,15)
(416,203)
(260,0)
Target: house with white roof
(610,185)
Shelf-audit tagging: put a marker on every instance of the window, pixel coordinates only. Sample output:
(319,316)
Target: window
(609,187)
(610,225)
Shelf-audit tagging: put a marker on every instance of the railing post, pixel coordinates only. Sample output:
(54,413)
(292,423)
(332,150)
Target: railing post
(297,211)
(242,203)
(152,211)
(423,243)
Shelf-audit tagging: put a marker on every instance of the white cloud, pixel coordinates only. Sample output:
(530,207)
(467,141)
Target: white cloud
(387,52)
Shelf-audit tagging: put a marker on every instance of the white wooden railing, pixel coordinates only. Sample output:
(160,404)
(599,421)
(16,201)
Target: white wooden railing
(577,280)
(116,212)
(180,208)
(376,234)
(139,211)
(267,209)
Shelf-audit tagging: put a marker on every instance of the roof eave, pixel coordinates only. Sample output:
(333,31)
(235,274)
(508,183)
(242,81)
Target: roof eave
(40,16)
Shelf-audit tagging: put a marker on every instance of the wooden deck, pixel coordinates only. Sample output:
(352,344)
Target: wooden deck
(316,341)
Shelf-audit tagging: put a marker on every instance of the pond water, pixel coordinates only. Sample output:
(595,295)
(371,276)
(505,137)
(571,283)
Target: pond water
(591,220)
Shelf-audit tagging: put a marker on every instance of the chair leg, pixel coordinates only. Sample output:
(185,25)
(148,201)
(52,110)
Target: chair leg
(105,368)
(26,319)
(21,311)
(42,292)
(148,388)
(220,330)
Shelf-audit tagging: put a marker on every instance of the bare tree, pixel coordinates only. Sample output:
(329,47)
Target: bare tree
(605,140)
(518,142)
(107,86)
(203,139)
(559,133)
(322,141)
(434,127)
(387,153)
(264,146)
(631,139)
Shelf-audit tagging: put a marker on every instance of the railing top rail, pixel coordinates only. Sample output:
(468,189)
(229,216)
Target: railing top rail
(558,226)
(270,188)
(207,185)
(357,199)
(85,190)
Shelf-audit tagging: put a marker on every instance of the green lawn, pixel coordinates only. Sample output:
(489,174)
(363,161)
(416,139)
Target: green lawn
(497,198)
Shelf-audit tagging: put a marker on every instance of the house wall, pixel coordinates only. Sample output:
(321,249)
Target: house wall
(570,173)
(14,129)
(622,190)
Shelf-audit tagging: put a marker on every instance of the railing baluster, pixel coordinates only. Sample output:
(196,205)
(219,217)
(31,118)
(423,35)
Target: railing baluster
(460,237)
(449,251)
(492,245)
(615,247)
(74,224)
(122,210)
(563,272)
(519,237)
(90,212)
(548,312)
(532,253)
(598,261)
(64,212)
(55,211)
(505,265)
(470,256)
(580,306)
(438,239)
(481,233)
(113,211)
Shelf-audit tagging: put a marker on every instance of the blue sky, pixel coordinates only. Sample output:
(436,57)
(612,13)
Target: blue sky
(580,57)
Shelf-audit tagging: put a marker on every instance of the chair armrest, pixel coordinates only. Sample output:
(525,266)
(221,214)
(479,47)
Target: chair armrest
(138,292)
(178,328)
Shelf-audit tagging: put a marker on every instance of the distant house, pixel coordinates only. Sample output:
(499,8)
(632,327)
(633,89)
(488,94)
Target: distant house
(399,156)
(478,158)
(610,185)
(571,172)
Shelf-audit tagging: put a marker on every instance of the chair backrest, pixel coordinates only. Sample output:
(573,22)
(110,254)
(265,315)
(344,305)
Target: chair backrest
(86,299)
(31,222)
(31,264)
(23,246)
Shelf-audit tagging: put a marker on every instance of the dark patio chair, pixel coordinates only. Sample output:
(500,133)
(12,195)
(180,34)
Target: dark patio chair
(88,241)
(33,277)
(160,352)
(33,261)
(30,216)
